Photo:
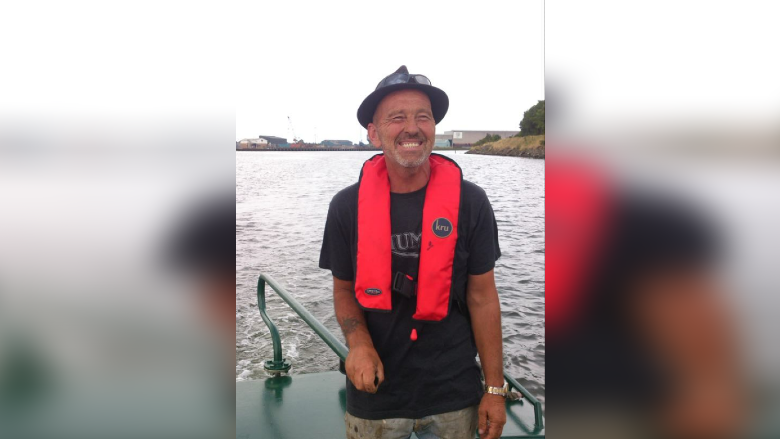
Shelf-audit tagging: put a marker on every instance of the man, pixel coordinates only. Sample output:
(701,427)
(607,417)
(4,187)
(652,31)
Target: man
(412,247)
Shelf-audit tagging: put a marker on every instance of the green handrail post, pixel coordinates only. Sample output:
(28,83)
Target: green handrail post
(278,364)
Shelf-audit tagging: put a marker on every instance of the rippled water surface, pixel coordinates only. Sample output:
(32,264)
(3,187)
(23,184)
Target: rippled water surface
(281,204)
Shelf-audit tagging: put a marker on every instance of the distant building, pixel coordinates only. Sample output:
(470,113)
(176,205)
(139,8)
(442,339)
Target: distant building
(251,144)
(274,141)
(470,137)
(331,143)
(442,143)
(262,142)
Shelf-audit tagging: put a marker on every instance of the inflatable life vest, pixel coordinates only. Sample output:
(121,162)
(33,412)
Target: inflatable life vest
(374,278)
(576,225)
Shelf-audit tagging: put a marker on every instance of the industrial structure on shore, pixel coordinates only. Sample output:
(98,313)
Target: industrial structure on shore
(275,143)
(466,138)
(451,139)
(261,142)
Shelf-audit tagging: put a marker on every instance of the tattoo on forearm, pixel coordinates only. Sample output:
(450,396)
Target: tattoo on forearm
(349,325)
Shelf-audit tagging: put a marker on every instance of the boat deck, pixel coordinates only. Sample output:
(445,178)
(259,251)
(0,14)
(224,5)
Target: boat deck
(313,406)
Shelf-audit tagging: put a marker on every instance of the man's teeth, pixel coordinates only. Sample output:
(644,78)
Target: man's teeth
(410,144)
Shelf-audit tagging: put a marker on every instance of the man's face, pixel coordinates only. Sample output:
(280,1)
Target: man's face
(404,127)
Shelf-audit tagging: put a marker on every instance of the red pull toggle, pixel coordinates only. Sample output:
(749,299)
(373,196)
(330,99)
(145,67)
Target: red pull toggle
(414,335)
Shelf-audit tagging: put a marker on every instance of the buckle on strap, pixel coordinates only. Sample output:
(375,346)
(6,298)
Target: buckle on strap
(404,285)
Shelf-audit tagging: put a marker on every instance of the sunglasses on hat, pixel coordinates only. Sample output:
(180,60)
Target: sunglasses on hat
(403,78)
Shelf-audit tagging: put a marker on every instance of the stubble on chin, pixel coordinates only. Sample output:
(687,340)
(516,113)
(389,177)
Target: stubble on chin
(409,163)
(406,163)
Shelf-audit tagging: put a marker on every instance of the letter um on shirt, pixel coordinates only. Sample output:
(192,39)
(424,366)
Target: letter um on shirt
(406,244)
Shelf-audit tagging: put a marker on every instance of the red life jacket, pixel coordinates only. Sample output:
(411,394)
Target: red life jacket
(437,245)
(576,225)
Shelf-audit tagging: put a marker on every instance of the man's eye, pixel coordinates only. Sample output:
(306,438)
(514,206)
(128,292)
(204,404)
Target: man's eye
(398,118)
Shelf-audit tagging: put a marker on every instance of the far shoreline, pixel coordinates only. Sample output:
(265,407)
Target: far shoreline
(528,146)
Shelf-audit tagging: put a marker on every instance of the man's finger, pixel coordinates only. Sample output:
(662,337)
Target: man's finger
(495,432)
(490,430)
(493,429)
(368,382)
(482,422)
(490,433)
(357,381)
(380,374)
(351,376)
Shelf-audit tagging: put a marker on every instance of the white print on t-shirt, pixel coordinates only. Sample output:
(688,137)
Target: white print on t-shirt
(406,244)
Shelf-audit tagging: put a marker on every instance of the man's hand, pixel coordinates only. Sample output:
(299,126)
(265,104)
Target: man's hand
(492,416)
(364,368)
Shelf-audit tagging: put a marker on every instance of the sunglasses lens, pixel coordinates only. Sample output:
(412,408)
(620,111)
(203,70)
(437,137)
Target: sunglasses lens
(395,78)
(403,78)
(420,79)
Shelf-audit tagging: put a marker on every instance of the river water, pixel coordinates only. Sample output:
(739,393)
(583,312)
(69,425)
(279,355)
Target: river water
(281,204)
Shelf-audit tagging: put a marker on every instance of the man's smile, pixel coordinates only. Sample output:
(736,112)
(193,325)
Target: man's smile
(410,144)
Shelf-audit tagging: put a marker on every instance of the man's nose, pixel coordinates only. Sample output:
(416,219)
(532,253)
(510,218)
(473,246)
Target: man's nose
(411,126)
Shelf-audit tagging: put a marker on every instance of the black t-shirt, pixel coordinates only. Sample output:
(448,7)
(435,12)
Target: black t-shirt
(437,373)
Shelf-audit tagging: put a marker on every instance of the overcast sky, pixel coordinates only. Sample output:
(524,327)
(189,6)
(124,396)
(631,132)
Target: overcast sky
(255,63)
(316,62)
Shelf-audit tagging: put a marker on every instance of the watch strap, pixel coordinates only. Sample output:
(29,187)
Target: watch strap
(500,391)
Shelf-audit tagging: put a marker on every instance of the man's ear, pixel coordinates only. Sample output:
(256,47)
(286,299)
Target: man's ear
(373,135)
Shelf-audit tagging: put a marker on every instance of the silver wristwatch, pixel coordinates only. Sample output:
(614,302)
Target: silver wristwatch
(500,391)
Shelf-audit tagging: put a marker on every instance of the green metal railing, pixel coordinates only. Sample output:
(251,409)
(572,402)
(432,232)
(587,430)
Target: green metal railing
(513,384)
(279,364)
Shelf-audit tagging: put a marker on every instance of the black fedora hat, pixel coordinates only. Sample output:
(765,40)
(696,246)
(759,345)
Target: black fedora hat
(400,80)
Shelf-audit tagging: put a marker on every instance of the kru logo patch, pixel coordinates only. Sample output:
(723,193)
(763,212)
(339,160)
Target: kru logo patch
(442,227)
(373,291)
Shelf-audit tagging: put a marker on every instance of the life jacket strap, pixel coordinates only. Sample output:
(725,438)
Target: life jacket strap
(404,285)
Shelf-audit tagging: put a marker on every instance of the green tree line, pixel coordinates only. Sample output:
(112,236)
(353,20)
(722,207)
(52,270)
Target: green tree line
(487,139)
(533,121)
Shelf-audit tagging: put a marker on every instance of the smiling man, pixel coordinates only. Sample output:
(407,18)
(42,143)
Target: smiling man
(412,247)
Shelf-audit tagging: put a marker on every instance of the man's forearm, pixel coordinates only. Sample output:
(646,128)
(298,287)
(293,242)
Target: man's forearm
(485,310)
(349,315)
(486,320)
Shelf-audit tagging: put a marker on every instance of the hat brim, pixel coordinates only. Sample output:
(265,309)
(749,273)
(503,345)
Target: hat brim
(439,101)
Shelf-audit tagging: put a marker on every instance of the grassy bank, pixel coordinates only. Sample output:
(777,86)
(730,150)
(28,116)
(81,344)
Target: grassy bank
(530,146)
